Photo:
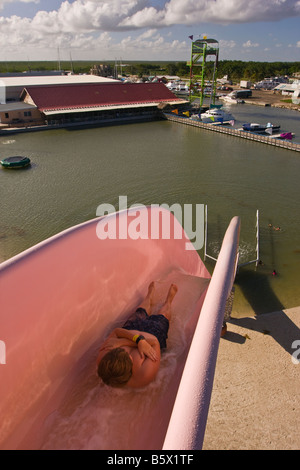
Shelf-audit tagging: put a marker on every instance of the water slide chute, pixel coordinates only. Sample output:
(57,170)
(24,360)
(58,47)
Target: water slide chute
(61,298)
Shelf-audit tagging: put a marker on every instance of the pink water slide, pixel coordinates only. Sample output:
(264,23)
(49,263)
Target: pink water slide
(62,297)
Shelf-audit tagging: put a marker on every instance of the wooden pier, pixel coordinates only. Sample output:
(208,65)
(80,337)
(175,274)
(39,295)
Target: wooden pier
(235,132)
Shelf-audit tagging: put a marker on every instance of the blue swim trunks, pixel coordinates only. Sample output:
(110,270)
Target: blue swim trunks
(157,325)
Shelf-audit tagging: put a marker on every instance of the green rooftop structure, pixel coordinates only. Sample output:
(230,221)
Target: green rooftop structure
(203,78)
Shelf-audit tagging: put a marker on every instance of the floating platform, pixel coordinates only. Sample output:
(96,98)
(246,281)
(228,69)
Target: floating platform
(15,162)
(235,132)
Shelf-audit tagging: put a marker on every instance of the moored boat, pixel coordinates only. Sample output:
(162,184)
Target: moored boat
(255,127)
(231,100)
(216,115)
(283,136)
(15,162)
(287,135)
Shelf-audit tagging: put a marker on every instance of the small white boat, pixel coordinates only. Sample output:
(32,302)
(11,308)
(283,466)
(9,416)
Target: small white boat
(231,100)
(182,90)
(216,115)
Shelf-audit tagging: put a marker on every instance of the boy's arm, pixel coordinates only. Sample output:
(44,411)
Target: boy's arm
(147,371)
(129,334)
(147,346)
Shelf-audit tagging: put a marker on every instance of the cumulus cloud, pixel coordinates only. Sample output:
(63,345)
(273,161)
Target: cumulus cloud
(250,44)
(113,15)
(155,45)
(189,12)
(93,15)
(82,23)
(227,44)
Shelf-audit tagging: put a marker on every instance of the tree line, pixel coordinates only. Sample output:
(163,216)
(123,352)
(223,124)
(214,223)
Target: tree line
(235,69)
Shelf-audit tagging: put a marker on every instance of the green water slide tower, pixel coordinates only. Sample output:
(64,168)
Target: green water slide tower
(203,76)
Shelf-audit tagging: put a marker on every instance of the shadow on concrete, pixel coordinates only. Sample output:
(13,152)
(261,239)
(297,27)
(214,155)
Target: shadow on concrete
(256,288)
(234,337)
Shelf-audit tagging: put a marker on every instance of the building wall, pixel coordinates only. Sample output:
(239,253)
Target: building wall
(20,116)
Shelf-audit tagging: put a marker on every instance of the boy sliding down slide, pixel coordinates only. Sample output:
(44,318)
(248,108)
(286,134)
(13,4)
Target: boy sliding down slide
(130,356)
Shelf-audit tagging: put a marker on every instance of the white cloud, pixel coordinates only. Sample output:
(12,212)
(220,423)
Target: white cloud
(86,24)
(95,15)
(146,43)
(112,15)
(44,34)
(148,34)
(250,44)
(144,18)
(189,12)
(227,44)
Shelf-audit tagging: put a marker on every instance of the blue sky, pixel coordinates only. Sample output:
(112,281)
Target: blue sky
(262,30)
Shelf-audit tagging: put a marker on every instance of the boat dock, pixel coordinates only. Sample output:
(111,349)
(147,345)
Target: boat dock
(235,132)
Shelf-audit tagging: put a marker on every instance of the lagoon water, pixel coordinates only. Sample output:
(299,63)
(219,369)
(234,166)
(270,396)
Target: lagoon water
(74,171)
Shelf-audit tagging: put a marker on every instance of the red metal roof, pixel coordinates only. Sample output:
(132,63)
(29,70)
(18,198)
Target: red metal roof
(95,95)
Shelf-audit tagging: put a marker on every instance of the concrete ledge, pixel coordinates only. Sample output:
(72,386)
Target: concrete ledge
(255,399)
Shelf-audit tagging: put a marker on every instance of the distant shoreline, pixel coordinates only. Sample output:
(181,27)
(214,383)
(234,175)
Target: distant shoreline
(270,98)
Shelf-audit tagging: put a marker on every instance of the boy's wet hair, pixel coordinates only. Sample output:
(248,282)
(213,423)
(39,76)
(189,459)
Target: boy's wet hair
(115,368)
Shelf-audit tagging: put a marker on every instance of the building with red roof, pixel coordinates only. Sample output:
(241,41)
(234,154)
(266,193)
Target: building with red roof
(105,102)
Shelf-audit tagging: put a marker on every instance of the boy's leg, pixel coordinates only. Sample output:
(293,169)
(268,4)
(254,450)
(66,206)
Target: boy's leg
(147,303)
(166,308)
